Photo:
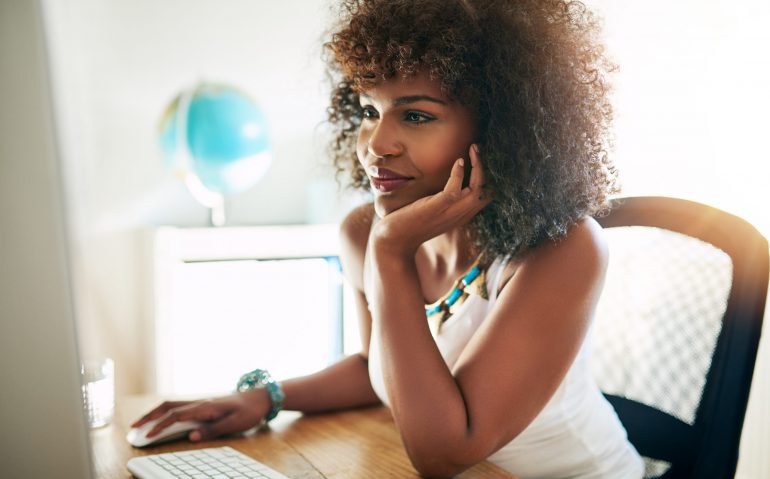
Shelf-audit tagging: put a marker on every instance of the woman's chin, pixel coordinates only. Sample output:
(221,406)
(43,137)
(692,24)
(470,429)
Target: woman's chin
(387,203)
(384,208)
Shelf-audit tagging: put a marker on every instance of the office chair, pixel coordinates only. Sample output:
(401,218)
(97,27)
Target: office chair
(677,330)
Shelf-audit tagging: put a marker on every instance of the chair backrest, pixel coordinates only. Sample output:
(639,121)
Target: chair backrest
(677,331)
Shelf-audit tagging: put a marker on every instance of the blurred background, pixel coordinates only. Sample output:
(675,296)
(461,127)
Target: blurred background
(691,103)
(117,65)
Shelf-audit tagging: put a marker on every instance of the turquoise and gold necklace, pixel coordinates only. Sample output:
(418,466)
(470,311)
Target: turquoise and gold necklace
(445,304)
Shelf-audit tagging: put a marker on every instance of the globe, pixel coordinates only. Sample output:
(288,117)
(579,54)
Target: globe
(216,138)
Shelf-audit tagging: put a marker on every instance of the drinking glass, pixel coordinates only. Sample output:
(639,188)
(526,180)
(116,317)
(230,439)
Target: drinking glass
(98,391)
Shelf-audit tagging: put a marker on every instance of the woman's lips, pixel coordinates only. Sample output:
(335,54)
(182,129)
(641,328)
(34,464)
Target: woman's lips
(387,185)
(386,181)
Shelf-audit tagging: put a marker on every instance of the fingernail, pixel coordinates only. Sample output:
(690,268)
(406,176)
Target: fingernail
(461,161)
(195,436)
(475,147)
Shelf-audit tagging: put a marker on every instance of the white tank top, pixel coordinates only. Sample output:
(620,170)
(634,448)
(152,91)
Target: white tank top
(576,435)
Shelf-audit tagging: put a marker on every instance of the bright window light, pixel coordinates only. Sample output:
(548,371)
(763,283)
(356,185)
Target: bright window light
(691,100)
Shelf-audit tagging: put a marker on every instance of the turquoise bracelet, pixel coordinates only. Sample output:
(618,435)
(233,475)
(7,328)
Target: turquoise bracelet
(261,378)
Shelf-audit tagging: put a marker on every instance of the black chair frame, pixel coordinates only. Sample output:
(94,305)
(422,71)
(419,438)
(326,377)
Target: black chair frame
(709,447)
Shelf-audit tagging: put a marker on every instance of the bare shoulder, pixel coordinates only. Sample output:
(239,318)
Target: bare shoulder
(585,242)
(583,251)
(354,235)
(354,231)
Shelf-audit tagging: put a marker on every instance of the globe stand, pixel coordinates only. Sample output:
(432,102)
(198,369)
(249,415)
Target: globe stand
(218,217)
(214,201)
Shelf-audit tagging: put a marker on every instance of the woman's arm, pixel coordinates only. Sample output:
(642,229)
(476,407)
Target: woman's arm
(344,384)
(450,420)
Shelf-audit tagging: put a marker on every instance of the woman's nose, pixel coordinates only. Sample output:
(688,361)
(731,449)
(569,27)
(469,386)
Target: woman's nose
(383,141)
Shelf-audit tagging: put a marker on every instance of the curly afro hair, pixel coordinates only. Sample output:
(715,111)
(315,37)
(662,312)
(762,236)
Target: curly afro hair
(536,77)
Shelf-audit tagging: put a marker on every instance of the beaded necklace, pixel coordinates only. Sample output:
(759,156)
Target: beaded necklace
(443,305)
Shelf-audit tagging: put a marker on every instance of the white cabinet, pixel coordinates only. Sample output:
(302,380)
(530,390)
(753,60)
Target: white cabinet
(228,300)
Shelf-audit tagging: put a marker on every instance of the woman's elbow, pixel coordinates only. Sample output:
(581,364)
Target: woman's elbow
(436,466)
(435,470)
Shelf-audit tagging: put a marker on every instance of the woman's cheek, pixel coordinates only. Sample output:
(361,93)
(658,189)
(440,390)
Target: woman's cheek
(362,140)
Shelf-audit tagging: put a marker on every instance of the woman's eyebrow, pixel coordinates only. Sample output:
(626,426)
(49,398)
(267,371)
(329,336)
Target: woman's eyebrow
(415,98)
(403,100)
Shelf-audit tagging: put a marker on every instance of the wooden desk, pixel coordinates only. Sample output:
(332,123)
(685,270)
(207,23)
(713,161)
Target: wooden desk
(348,445)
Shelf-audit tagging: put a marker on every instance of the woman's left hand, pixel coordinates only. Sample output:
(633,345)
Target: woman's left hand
(405,229)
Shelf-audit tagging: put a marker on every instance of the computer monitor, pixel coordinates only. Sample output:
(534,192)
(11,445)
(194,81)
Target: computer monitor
(44,431)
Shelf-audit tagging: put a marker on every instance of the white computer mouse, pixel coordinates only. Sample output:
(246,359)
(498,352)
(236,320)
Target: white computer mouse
(137,436)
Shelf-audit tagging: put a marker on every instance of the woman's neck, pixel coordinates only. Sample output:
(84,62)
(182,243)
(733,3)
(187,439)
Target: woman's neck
(450,251)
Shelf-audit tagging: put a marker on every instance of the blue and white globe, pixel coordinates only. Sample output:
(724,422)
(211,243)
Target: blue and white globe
(216,138)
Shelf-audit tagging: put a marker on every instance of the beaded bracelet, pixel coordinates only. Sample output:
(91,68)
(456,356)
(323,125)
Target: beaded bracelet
(261,378)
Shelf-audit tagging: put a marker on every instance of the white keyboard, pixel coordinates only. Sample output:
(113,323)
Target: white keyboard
(210,463)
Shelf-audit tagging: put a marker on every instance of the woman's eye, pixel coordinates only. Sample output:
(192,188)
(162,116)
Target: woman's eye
(417,117)
(369,112)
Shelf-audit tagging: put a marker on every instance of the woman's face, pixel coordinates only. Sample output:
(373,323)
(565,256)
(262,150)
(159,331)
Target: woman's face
(410,137)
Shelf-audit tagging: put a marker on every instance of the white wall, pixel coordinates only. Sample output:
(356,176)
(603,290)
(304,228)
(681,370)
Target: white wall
(117,64)
(691,100)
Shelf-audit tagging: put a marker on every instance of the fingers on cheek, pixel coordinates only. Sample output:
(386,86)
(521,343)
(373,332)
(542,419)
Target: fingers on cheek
(459,167)
(474,155)
(477,172)
(454,183)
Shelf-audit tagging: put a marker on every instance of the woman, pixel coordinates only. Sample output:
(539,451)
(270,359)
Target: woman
(480,128)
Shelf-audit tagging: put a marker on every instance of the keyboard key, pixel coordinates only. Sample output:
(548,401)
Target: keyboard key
(216,463)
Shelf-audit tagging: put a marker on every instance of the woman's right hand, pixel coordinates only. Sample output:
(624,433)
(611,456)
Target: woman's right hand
(221,416)
(405,229)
